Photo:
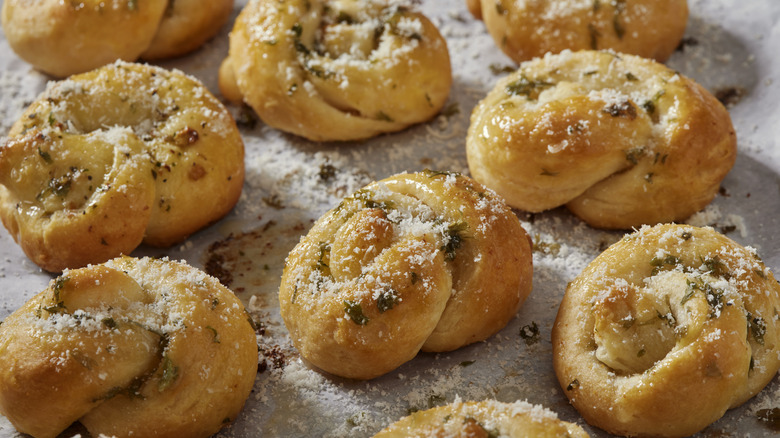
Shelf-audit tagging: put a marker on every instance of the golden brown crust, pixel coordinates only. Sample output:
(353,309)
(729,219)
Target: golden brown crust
(134,347)
(666,330)
(58,221)
(115,156)
(65,38)
(400,266)
(187,25)
(620,140)
(482,420)
(475,8)
(338,69)
(227,83)
(531,28)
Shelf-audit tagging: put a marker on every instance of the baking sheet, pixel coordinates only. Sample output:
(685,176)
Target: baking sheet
(731,48)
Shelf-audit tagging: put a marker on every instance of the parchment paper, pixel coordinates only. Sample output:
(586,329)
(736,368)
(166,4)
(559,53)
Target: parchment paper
(731,47)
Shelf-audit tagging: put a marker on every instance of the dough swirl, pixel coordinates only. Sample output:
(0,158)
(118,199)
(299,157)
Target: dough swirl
(526,29)
(107,159)
(130,348)
(666,330)
(620,140)
(429,261)
(337,69)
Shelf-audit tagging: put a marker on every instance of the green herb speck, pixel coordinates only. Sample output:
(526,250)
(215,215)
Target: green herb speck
(214,334)
(355,312)
(499,69)
(525,87)
(381,115)
(45,156)
(387,300)
(530,333)
(757,327)
(633,154)
(170,373)
(622,109)
(454,239)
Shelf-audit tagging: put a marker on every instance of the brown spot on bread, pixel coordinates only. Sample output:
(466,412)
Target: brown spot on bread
(196,172)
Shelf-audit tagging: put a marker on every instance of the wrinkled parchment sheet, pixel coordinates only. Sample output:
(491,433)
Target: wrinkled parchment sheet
(731,48)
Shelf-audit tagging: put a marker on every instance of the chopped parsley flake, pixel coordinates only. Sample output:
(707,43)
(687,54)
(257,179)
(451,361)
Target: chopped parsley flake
(387,300)
(527,88)
(355,312)
(170,373)
(455,239)
(530,333)
(757,327)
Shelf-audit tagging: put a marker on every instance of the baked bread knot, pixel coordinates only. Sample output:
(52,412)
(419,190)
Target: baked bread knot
(107,159)
(427,260)
(337,69)
(63,38)
(130,348)
(531,28)
(487,418)
(666,330)
(620,140)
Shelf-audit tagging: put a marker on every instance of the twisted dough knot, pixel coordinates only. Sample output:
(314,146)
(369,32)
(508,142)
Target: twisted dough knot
(666,330)
(107,159)
(620,140)
(336,69)
(483,419)
(63,38)
(133,347)
(429,261)
(528,29)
